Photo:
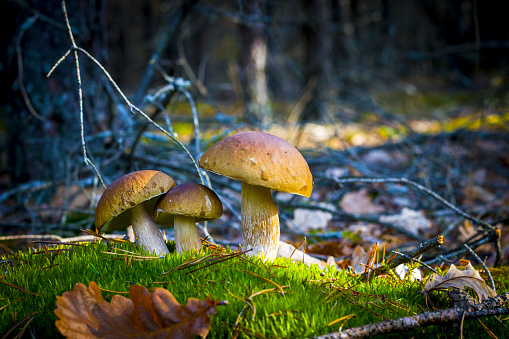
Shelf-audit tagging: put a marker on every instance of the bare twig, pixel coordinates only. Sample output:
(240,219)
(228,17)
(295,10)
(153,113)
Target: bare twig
(28,23)
(40,185)
(134,108)
(421,188)
(74,48)
(420,249)
(494,306)
(163,42)
(459,251)
(409,258)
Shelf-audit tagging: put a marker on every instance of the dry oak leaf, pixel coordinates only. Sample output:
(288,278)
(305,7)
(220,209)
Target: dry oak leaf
(83,313)
(461,279)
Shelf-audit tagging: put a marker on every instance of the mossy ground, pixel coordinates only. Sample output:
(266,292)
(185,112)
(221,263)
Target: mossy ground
(310,303)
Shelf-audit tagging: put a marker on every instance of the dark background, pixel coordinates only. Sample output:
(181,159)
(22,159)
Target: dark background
(251,64)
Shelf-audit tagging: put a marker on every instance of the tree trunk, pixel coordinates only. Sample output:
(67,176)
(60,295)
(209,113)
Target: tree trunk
(318,58)
(253,60)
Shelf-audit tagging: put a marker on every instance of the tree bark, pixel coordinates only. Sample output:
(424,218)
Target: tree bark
(253,61)
(318,58)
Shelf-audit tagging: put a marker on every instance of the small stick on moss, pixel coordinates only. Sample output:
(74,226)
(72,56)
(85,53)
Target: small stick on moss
(493,306)
(105,237)
(55,243)
(12,302)
(28,319)
(247,301)
(267,280)
(295,249)
(19,288)
(131,255)
(269,290)
(183,264)
(483,265)
(264,267)
(365,308)
(216,261)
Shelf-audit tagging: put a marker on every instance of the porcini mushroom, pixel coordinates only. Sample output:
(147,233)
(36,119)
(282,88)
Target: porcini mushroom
(130,200)
(263,162)
(183,207)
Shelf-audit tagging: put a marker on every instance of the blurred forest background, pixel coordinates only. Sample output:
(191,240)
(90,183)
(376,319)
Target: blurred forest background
(379,88)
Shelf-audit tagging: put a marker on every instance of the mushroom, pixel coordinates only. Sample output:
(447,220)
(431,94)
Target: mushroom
(183,207)
(263,162)
(130,200)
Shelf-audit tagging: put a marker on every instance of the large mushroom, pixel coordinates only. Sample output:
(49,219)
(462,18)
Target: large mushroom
(262,162)
(130,200)
(183,207)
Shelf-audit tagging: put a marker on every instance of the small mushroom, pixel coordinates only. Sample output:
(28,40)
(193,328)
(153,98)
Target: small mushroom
(183,207)
(130,200)
(263,162)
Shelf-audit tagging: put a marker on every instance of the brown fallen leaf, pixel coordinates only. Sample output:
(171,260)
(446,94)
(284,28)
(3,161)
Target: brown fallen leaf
(360,202)
(461,279)
(83,313)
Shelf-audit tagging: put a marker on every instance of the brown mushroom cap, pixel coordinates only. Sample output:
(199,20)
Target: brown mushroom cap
(260,159)
(191,200)
(125,193)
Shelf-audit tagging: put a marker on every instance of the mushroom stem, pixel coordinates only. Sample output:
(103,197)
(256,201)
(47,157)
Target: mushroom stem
(259,221)
(146,231)
(186,234)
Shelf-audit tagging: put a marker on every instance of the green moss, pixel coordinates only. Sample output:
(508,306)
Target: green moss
(311,300)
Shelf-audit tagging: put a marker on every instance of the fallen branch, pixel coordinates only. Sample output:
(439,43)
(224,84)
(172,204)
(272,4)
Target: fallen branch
(494,306)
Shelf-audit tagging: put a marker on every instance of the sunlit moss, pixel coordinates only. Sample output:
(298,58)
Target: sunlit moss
(312,298)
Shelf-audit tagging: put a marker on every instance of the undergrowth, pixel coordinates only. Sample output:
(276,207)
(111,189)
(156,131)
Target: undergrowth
(272,300)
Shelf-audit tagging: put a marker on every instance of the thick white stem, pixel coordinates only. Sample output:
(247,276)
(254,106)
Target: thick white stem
(186,234)
(146,231)
(260,221)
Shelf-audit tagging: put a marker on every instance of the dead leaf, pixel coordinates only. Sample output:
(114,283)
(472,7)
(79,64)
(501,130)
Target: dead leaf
(359,202)
(413,221)
(461,279)
(386,159)
(336,247)
(359,259)
(83,313)
(306,219)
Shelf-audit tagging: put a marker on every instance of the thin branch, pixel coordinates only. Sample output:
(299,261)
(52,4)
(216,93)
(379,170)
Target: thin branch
(420,249)
(40,185)
(74,48)
(163,42)
(26,25)
(458,252)
(409,258)
(133,109)
(406,181)
(494,306)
